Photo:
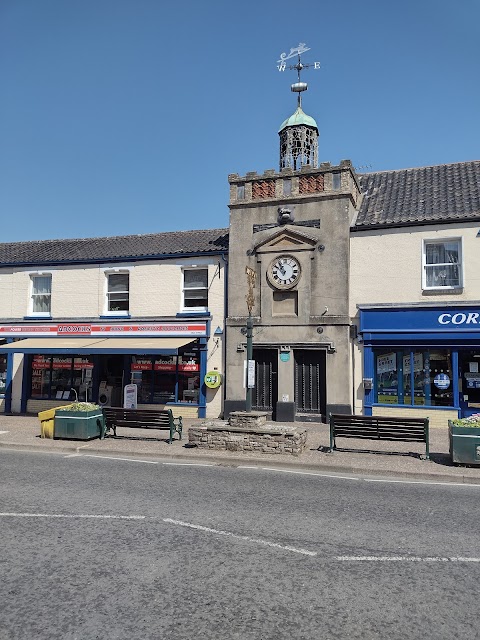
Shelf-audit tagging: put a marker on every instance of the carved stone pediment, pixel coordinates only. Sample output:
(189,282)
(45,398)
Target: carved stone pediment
(285,239)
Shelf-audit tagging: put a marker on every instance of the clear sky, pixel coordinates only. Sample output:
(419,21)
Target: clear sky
(126,116)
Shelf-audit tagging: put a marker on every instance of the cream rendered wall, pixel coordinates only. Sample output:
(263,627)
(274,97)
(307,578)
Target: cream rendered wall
(6,293)
(386,267)
(80,292)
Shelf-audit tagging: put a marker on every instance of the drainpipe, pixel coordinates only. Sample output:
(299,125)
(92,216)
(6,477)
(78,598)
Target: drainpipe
(224,257)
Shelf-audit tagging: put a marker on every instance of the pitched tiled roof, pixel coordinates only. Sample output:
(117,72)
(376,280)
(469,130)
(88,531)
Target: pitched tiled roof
(114,248)
(426,195)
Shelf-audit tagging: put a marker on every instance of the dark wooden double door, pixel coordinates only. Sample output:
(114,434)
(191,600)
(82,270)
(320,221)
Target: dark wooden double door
(309,383)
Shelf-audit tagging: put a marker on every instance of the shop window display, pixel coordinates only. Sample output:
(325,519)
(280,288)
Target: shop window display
(387,377)
(164,379)
(61,377)
(469,365)
(414,377)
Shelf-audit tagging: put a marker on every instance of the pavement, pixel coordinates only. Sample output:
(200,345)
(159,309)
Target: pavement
(386,459)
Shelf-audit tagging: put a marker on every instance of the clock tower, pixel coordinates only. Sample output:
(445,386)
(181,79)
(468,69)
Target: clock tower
(291,227)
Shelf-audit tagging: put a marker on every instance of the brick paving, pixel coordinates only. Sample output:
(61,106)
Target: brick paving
(23,432)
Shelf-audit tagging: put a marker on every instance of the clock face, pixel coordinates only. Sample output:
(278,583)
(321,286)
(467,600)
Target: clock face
(284,272)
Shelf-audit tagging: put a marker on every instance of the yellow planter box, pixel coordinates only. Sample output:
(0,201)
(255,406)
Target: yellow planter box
(47,421)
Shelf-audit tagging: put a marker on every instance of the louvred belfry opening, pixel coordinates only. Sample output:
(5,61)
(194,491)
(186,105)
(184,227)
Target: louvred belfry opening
(298,141)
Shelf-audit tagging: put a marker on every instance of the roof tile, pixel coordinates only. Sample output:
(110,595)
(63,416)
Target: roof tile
(84,250)
(441,193)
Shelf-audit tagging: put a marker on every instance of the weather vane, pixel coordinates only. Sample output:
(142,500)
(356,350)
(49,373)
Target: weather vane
(298,86)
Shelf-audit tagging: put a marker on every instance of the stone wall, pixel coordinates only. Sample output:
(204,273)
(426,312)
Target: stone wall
(221,436)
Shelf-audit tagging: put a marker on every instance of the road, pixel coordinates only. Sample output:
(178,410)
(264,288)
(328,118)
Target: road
(96,547)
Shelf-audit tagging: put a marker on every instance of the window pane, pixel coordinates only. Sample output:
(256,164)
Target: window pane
(164,379)
(41,294)
(42,284)
(447,275)
(469,364)
(199,301)
(82,380)
(438,378)
(387,377)
(40,376)
(118,282)
(196,279)
(442,253)
(143,380)
(164,387)
(41,304)
(418,378)
(61,378)
(188,376)
(118,303)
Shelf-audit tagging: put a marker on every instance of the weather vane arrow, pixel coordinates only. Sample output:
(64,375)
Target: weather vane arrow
(295,51)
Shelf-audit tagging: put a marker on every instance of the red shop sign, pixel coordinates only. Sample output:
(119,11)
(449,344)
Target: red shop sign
(164,366)
(188,367)
(62,365)
(141,366)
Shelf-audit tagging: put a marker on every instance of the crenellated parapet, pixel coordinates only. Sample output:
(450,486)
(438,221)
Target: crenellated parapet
(289,185)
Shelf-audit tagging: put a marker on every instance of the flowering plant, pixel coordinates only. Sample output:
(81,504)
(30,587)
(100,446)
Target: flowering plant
(80,406)
(471,421)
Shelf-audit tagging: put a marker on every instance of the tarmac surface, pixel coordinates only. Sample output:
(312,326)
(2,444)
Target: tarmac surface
(365,457)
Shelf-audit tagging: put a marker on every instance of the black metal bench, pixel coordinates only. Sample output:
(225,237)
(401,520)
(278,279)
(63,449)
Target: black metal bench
(143,419)
(379,428)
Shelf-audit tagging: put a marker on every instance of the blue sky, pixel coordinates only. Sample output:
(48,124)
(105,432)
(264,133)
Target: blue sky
(126,116)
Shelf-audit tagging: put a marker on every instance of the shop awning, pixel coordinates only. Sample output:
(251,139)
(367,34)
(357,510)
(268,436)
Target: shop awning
(166,346)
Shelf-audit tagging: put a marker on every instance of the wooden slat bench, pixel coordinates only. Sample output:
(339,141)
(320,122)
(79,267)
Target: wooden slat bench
(379,428)
(143,419)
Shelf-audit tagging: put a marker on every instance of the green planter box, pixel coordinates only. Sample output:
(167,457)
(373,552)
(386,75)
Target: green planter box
(79,425)
(464,444)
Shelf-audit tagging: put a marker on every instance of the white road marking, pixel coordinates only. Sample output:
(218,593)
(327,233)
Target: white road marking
(359,478)
(405,559)
(69,515)
(219,532)
(447,484)
(190,464)
(310,473)
(4,432)
(278,470)
(91,455)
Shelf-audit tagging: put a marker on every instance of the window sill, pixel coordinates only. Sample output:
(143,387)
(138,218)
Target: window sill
(38,317)
(115,314)
(439,407)
(190,314)
(455,291)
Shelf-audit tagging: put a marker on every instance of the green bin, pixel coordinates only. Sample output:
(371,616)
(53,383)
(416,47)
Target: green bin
(79,425)
(464,444)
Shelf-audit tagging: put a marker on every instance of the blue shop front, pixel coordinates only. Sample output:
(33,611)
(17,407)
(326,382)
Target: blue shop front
(421,358)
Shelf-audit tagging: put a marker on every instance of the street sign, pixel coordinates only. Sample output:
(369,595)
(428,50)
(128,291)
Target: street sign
(130,396)
(251,374)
